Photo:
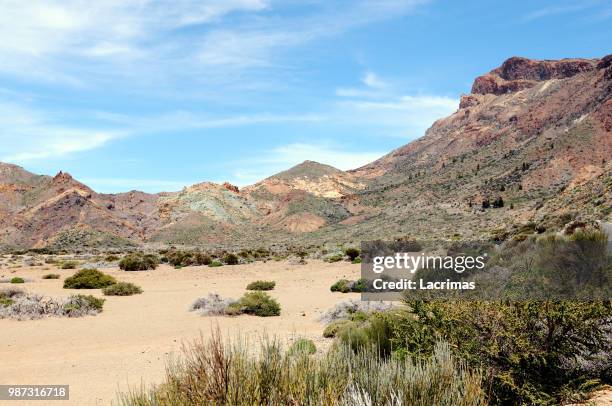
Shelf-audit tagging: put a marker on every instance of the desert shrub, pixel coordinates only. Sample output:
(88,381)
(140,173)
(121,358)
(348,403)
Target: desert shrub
(187,258)
(88,279)
(346,286)
(122,289)
(354,337)
(352,253)
(139,262)
(11,293)
(212,305)
(51,276)
(259,304)
(68,264)
(345,310)
(31,306)
(230,259)
(356,260)
(6,302)
(342,285)
(532,352)
(213,373)
(17,279)
(261,285)
(233,309)
(331,330)
(335,258)
(87,302)
(215,263)
(302,346)
(359,285)
(111,258)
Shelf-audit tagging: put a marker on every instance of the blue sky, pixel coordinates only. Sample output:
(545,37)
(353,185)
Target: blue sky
(155,95)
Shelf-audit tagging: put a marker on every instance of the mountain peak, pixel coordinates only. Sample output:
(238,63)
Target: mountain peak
(308,169)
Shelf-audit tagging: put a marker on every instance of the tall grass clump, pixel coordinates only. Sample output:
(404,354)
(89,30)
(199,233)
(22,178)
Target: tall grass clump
(89,279)
(213,373)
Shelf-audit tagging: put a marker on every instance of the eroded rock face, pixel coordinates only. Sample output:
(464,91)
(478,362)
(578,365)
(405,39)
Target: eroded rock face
(518,73)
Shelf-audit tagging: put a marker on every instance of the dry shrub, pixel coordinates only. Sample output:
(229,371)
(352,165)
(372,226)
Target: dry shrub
(214,373)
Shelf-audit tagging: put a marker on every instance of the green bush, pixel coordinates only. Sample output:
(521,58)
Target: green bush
(88,279)
(122,289)
(187,258)
(17,279)
(6,302)
(346,286)
(354,337)
(359,286)
(331,330)
(342,285)
(90,301)
(261,285)
(533,352)
(139,262)
(259,304)
(352,253)
(356,260)
(233,309)
(51,276)
(68,264)
(302,346)
(215,264)
(230,259)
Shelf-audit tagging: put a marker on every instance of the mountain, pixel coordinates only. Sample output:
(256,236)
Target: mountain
(536,135)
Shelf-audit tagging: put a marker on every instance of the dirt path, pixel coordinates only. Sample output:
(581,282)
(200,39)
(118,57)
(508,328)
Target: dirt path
(128,343)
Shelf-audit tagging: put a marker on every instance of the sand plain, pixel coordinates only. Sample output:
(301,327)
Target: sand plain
(129,343)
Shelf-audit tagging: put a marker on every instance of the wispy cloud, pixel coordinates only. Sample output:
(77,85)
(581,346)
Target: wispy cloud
(81,43)
(383,105)
(556,10)
(30,135)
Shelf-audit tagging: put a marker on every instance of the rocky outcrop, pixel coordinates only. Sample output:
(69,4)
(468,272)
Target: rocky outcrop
(518,73)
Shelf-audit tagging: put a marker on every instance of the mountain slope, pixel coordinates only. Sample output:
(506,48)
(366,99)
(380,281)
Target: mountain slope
(535,134)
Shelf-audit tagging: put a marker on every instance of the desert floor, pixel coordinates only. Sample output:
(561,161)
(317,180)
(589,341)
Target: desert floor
(129,342)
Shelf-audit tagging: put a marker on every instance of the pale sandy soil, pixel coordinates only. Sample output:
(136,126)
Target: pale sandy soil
(129,342)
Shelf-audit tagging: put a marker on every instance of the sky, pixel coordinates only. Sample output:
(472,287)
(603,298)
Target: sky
(157,95)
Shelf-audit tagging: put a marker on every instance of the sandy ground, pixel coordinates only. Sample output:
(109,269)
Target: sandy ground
(128,343)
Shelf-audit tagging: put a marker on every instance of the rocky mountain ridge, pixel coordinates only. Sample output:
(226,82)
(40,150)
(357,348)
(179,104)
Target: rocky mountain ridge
(536,135)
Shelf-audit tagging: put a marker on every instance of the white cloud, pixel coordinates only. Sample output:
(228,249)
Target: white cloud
(384,106)
(30,135)
(372,80)
(84,43)
(404,116)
